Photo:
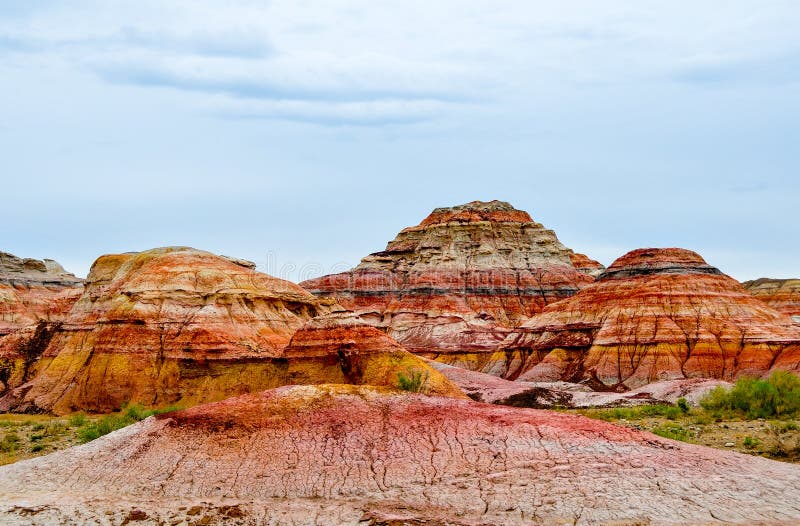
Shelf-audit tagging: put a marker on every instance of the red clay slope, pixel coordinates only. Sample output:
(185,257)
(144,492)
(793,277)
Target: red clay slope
(656,314)
(332,455)
(452,287)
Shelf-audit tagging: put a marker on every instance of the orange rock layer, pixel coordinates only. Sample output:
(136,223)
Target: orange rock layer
(457,283)
(654,314)
(333,455)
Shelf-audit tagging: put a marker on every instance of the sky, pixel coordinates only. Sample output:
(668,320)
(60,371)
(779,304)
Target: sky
(303,135)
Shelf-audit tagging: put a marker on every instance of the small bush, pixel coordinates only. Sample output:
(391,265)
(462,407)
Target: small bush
(776,397)
(683,405)
(750,442)
(414,381)
(37,447)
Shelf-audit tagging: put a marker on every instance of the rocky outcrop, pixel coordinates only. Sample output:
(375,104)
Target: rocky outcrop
(453,286)
(655,314)
(35,296)
(780,294)
(339,348)
(32,291)
(166,326)
(332,455)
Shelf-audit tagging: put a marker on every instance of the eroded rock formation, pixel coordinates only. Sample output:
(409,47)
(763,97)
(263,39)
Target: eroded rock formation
(339,348)
(780,294)
(183,326)
(34,297)
(169,325)
(655,314)
(332,455)
(453,286)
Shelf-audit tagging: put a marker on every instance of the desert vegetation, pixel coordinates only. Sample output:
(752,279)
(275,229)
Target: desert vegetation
(27,436)
(755,416)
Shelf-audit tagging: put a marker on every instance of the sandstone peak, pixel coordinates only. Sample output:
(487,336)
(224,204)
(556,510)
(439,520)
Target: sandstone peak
(459,281)
(644,261)
(332,455)
(656,314)
(476,211)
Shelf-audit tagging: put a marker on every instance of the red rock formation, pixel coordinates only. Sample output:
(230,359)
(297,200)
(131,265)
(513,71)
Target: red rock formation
(655,314)
(780,294)
(34,297)
(332,455)
(453,286)
(171,325)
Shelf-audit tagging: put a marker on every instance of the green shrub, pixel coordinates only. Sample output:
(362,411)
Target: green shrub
(750,442)
(414,381)
(777,396)
(683,405)
(37,447)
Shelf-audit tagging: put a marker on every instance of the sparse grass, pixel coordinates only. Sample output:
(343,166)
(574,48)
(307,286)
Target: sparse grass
(26,436)
(637,412)
(758,416)
(413,381)
(673,431)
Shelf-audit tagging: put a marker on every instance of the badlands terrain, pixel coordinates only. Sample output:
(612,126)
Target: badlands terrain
(438,382)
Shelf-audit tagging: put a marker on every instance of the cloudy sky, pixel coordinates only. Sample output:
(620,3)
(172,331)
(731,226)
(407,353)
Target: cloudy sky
(304,135)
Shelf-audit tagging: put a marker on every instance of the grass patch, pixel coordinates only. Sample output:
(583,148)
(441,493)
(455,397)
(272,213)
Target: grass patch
(775,397)
(751,443)
(413,381)
(106,424)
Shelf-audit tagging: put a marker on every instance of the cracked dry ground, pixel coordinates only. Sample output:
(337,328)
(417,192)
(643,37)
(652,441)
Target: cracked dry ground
(358,455)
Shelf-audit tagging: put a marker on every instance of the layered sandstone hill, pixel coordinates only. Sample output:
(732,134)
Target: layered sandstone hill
(182,326)
(169,325)
(780,294)
(34,297)
(453,286)
(655,314)
(332,455)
